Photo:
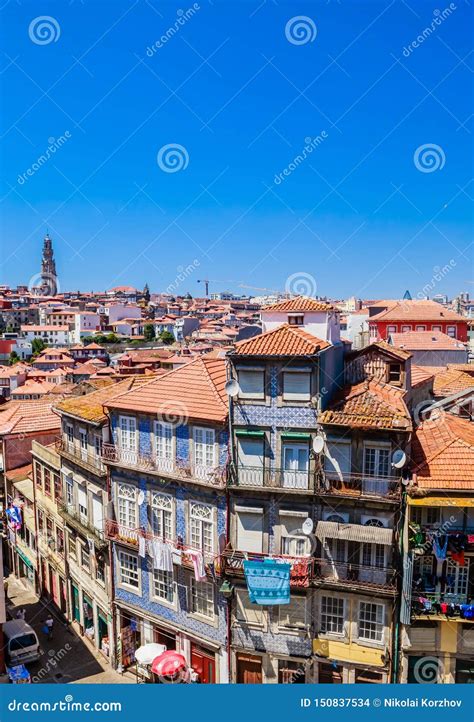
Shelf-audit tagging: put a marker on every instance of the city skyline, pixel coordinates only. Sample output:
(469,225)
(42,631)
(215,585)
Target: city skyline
(302,157)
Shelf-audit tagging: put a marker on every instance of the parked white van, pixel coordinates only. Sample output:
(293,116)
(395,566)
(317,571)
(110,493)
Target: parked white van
(21,642)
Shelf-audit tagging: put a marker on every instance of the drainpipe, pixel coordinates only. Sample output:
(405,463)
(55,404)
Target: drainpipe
(396,608)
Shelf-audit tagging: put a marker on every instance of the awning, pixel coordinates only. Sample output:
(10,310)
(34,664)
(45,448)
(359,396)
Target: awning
(457,501)
(299,435)
(245,432)
(354,532)
(25,488)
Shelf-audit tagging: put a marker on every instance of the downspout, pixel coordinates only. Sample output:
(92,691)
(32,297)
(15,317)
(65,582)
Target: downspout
(113,648)
(396,635)
(227,531)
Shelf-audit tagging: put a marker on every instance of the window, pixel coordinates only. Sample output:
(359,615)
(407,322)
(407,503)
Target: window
(69,490)
(49,529)
(70,433)
(128,569)
(295,466)
(72,547)
(38,475)
(127,433)
(376,467)
(457,579)
(59,541)
(98,445)
(371,621)
(394,373)
(296,320)
(100,569)
(163,585)
(252,383)
(392,329)
(47,481)
(201,526)
(436,328)
(246,611)
(250,461)
(293,615)
(420,328)
(83,442)
(82,501)
(405,329)
(85,558)
(57,486)
(337,460)
(451,331)
(202,598)
(204,450)
(249,522)
(127,506)
(296,386)
(164,441)
(332,615)
(162,515)
(293,541)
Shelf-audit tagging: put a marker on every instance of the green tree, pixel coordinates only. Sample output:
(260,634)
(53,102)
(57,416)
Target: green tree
(167,337)
(111,338)
(149,332)
(14,358)
(37,345)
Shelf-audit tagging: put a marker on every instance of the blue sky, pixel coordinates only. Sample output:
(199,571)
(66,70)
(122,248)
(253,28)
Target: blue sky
(240,92)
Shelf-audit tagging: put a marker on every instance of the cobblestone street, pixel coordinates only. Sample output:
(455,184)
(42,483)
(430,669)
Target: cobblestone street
(67,658)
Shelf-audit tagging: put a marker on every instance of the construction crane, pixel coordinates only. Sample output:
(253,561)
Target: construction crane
(207,281)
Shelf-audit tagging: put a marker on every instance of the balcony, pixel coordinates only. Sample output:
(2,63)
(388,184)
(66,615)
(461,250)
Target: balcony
(300,573)
(75,453)
(80,523)
(210,476)
(356,576)
(360,486)
(257,477)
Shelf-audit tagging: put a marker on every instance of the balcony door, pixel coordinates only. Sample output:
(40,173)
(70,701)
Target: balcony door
(250,461)
(204,452)
(295,466)
(334,563)
(457,578)
(373,563)
(376,470)
(127,434)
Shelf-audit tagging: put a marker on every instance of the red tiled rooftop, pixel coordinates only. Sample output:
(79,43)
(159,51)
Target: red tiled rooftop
(443,453)
(426,341)
(300,303)
(285,340)
(417,310)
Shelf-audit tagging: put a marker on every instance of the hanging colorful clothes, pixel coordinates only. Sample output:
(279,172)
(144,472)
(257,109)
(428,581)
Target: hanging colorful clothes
(458,557)
(198,564)
(268,583)
(440,547)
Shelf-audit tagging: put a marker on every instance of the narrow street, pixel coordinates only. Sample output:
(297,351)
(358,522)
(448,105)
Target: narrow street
(67,658)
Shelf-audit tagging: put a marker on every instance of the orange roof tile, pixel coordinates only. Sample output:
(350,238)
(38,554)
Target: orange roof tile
(194,391)
(426,341)
(370,404)
(419,375)
(417,310)
(285,340)
(27,417)
(90,407)
(451,380)
(443,453)
(300,303)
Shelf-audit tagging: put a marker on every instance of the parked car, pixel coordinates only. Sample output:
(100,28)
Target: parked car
(21,643)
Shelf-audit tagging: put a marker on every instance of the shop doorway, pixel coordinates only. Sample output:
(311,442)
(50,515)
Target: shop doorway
(204,663)
(249,669)
(76,609)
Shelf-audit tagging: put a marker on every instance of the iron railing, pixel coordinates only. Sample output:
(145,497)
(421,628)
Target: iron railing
(347,573)
(301,567)
(81,523)
(359,485)
(74,452)
(256,477)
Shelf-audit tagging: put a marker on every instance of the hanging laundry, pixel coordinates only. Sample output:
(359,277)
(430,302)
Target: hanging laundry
(14,517)
(458,557)
(198,564)
(268,583)
(161,555)
(440,547)
(467,611)
(142,546)
(470,538)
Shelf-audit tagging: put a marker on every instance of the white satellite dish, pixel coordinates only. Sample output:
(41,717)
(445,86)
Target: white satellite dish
(399,459)
(308,526)
(232,388)
(141,497)
(318,444)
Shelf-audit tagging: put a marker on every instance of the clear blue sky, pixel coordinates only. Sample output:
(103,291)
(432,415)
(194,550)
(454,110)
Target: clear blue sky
(241,98)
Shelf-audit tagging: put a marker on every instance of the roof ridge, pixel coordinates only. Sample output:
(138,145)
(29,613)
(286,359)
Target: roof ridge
(213,386)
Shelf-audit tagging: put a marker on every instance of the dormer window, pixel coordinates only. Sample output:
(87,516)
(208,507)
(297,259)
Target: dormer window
(296,319)
(395,374)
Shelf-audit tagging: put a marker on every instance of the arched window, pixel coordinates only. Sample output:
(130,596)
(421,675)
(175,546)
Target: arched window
(373,522)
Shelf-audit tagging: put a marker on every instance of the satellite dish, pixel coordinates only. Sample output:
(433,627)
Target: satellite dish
(405,481)
(141,497)
(308,526)
(318,444)
(399,459)
(232,388)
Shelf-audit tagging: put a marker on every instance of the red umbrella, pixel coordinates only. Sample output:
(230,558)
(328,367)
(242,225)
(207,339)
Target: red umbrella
(168,664)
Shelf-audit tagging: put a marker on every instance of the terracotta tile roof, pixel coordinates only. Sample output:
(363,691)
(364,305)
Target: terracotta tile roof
(451,381)
(443,453)
(285,340)
(417,310)
(22,472)
(300,303)
(194,391)
(392,349)
(90,407)
(467,368)
(426,341)
(18,417)
(370,404)
(32,387)
(419,375)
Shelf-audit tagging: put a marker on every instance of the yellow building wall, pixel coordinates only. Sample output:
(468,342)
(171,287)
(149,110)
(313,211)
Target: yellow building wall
(351,652)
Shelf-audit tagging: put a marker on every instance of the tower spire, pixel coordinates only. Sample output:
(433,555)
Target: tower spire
(49,279)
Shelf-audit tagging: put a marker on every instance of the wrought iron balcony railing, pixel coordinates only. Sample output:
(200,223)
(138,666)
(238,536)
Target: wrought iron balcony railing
(347,573)
(272,478)
(214,476)
(300,573)
(82,524)
(359,485)
(74,452)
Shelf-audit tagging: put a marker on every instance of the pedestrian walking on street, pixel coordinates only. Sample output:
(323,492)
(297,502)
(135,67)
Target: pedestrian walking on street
(48,626)
(21,614)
